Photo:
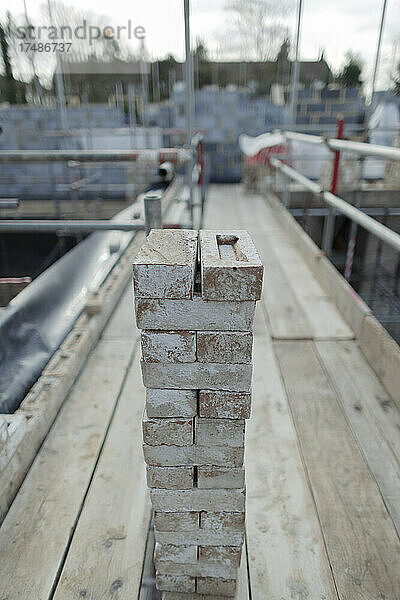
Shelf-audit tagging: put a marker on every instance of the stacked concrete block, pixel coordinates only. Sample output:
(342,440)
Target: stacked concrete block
(195,296)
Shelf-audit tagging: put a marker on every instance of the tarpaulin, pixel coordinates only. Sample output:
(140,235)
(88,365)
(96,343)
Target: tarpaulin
(36,322)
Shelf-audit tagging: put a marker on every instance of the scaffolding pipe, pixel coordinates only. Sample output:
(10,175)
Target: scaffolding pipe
(163,154)
(361,148)
(81,226)
(152,212)
(354,214)
(9,203)
(189,103)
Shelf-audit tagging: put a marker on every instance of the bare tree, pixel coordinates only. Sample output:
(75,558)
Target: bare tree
(57,22)
(257,28)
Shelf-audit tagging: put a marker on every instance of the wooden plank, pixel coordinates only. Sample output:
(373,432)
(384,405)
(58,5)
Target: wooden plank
(363,400)
(323,316)
(38,526)
(108,547)
(285,547)
(361,541)
(122,322)
(317,310)
(286,317)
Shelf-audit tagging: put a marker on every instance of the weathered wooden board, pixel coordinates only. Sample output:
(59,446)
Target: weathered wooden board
(107,550)
(322,315)
(286,316)
(43,516)
(361,397)
(361,541)
(285,546)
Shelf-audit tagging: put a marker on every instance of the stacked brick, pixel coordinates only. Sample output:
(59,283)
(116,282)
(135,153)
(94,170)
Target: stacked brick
(195,296)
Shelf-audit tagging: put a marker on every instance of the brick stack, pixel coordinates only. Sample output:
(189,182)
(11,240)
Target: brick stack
(195,297)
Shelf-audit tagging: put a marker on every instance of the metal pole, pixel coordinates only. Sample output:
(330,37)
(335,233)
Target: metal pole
(152,212)
(178,155)
(351,246)
(81,226)
(189,105)
(329,223)
(9,203)
(59,82)
(296,69)
(293,97)
(377,56)
(355,214)
(144,84)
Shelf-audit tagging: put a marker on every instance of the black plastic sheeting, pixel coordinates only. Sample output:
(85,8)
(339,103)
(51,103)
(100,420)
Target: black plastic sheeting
(36,322)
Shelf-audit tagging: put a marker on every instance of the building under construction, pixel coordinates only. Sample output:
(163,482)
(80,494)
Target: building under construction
(275,291)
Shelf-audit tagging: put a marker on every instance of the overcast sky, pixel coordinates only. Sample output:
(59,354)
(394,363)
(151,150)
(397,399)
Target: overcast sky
(335,26)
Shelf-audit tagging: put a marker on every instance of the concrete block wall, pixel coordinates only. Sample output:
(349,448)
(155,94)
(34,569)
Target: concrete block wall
(195,296)
(91,127)
(322,107)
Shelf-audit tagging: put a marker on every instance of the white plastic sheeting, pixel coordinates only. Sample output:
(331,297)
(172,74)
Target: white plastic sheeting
(383,124)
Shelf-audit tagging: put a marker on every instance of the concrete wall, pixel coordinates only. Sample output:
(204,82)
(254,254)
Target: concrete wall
(92,126)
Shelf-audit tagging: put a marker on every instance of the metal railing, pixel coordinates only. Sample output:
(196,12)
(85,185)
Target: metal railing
(338,204)
(334,144)
(180,155)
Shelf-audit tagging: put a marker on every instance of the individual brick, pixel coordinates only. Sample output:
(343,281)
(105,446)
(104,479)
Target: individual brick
(224,405)
(193,521)
(198,500)
(225,555)
(222,521)
(175,456)
(232,377)
(166,347)
(211,561)
(169,432)
(224,346)
(212,477)
(216,585)
(231,268)
(171,403)
(175,583)
(196,314)
(177,521)
(199,569)
(219,432)
(180,478)
(165,265)
(181,554)
(200,537)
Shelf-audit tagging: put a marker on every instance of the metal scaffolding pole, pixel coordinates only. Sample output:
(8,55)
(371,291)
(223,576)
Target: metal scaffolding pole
(377,57)
(293,95)
(189,104)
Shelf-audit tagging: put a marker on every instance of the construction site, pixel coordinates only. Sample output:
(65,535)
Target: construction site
(199,332)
